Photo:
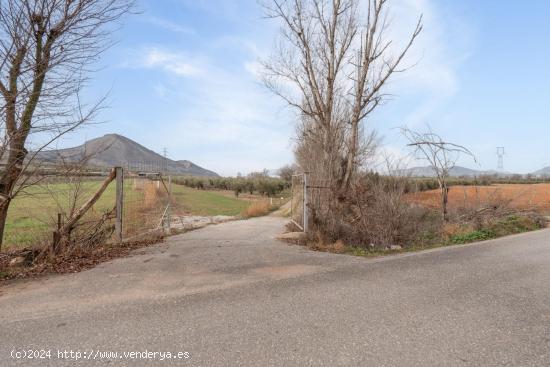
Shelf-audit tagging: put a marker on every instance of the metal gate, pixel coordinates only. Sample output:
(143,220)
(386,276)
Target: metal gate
(147,201)
(298,201)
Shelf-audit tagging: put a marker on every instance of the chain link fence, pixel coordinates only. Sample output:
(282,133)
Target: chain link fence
(136,203)
(147,200)
(50,198)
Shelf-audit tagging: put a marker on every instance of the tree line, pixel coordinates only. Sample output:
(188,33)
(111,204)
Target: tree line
(263,185)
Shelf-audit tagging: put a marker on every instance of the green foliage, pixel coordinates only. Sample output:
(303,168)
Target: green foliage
(201,202)
(262,185)
(509,225)
(516,224)
(474,236)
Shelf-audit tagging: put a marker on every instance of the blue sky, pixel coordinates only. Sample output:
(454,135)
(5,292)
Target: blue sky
(184,76)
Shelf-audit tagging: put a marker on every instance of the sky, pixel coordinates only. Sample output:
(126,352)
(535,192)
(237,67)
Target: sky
(183,76)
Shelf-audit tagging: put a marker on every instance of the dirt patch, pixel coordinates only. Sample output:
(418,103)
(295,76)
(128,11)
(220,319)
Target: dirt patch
(69,263)
(519,196)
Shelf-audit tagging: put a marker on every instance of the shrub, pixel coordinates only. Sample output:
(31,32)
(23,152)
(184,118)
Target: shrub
(474,236)
(508,225)
(373,214)
(257,209)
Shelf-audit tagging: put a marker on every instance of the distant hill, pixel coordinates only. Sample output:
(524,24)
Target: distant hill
(542,172)
(457,171)
(116,150)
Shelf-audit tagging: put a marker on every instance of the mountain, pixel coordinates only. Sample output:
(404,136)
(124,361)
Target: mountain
(117,150)
(542,172)
(456,171)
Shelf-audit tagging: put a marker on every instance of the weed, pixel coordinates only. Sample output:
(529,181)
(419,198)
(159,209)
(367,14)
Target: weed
(474,236)
(257,209)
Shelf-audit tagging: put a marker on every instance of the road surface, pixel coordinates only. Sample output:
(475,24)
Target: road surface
(231,295)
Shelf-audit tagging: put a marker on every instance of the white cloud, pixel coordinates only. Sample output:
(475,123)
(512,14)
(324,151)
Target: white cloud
(228,121)
(254,68)
(434,58)
(169,25)
(173,62)
(422,94)
(234,123)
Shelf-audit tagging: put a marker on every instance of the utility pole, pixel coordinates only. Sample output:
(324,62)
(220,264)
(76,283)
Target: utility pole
(165,165)
(500,155)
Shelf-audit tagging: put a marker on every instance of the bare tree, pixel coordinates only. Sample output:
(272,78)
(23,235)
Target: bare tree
(47,48)
(286,172)
(331,65)
(440,155)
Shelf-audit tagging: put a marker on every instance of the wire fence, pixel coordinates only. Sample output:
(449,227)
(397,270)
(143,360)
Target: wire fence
(147,200)
(139,202)
(49,200)
(136,202)
(309,198)
(298,200)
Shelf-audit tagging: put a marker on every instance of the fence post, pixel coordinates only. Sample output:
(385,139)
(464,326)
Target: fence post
(168,212)
(305,204)
(119,202)
(292,198)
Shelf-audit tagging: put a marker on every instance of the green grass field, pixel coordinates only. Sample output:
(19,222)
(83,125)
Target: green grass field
(201,202)
(32,215)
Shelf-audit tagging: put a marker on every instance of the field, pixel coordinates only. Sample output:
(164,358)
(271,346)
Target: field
(518,196)
(202,202)
(32,215)
(34,212)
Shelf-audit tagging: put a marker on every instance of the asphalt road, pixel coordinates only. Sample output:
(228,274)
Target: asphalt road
(231,295)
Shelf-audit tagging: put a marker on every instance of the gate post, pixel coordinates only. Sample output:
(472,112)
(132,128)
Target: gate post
(305,203)
(169,209)
(119,201)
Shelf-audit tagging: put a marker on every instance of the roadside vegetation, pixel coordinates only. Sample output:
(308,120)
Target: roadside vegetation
(449,236)
(387,217)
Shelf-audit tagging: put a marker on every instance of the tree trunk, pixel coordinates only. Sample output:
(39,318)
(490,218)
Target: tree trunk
(351,162)
(444,201)
(8,180)
(3,217)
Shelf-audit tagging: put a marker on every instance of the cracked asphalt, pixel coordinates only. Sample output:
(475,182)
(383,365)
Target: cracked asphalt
(232,295)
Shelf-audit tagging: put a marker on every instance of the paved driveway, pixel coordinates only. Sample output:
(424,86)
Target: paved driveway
(231,295)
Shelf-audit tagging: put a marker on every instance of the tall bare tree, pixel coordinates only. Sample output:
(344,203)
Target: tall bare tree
(47,49)
(331,64)
(441,156)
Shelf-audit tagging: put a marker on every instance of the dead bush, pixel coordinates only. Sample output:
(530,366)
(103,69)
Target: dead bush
(373,214)
(257,209)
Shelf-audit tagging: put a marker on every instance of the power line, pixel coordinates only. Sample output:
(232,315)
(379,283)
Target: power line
(500,155)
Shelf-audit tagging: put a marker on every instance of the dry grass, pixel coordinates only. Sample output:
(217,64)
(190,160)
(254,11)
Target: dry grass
(316,241)
(151,194)
(519,196)
(257,209)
